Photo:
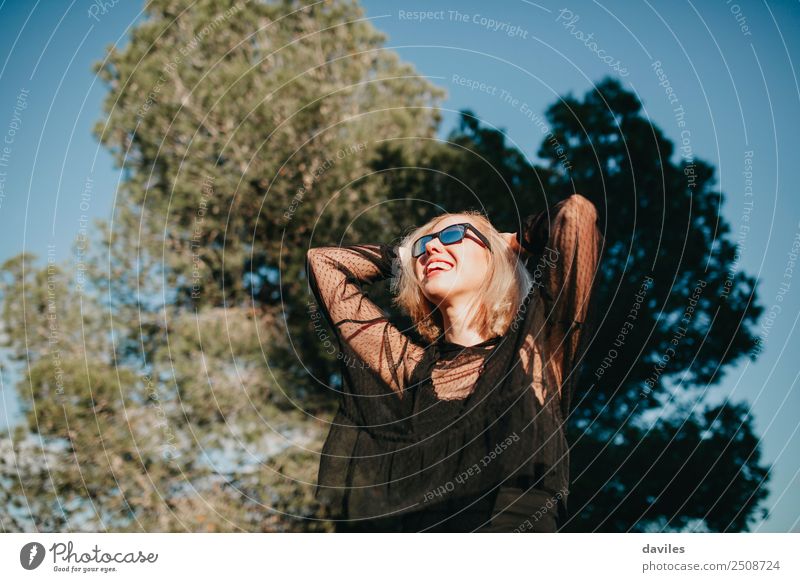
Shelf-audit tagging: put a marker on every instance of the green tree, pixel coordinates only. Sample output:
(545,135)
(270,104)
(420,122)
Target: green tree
(192,442)
(236,153)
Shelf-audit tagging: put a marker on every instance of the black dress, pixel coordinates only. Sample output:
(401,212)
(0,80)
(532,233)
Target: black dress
(444,437)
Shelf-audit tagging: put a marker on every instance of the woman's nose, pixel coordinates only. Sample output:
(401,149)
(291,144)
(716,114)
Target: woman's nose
(434,243)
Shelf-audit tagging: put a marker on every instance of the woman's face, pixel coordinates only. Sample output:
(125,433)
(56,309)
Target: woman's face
(447,273)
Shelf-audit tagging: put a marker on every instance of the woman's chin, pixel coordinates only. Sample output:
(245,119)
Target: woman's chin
(437,288)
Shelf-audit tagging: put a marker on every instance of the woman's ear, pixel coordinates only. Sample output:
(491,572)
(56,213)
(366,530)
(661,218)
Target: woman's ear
(403,253)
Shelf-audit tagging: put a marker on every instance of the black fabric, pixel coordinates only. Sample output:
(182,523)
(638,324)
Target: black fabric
(525,511)
(503,510)
(423,429)
(454,515)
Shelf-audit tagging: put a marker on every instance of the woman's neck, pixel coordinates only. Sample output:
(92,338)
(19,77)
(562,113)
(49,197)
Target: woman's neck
(459,324)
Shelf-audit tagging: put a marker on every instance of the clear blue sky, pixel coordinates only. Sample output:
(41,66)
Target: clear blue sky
(730,64)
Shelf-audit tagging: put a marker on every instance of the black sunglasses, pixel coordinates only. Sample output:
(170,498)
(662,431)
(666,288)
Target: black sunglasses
(448,235)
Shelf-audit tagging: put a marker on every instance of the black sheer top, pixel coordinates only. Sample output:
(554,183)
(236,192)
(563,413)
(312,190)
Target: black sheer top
(419,424)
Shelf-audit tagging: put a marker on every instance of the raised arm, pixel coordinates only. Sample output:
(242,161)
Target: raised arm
(336,276)
(564,247)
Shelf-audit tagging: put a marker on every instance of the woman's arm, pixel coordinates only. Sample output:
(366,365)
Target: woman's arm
(336,275)
(564,247)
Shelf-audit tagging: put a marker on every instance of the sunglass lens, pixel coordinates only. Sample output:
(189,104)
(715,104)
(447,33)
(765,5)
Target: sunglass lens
(452,234)
(419,247)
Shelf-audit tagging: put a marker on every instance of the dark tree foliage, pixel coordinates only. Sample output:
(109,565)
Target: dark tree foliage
(667,242)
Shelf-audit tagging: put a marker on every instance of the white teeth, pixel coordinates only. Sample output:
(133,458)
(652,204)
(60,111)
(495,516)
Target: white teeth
(440,265)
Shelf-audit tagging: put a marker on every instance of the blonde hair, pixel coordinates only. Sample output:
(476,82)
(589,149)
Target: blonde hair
(501,294)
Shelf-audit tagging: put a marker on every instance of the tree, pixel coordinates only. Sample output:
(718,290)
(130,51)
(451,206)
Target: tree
(191,442)
(236,153)
(675,313)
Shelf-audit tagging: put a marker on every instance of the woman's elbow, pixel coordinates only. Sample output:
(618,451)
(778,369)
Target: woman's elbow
(582,205)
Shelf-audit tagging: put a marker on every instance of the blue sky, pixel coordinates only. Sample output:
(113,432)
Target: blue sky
(731,66)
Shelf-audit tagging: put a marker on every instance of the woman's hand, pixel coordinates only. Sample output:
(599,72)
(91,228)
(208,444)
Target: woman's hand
(513,245)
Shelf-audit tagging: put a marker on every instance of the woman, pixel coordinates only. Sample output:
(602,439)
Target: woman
(465,430)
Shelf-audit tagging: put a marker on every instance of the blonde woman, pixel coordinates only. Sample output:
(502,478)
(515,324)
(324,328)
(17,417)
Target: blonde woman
(463,431)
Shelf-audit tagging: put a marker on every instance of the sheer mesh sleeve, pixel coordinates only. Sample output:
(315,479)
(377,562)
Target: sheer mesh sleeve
(564,245)
(336,275)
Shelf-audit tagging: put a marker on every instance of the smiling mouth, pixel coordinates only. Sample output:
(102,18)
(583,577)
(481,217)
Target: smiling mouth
(438,266)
